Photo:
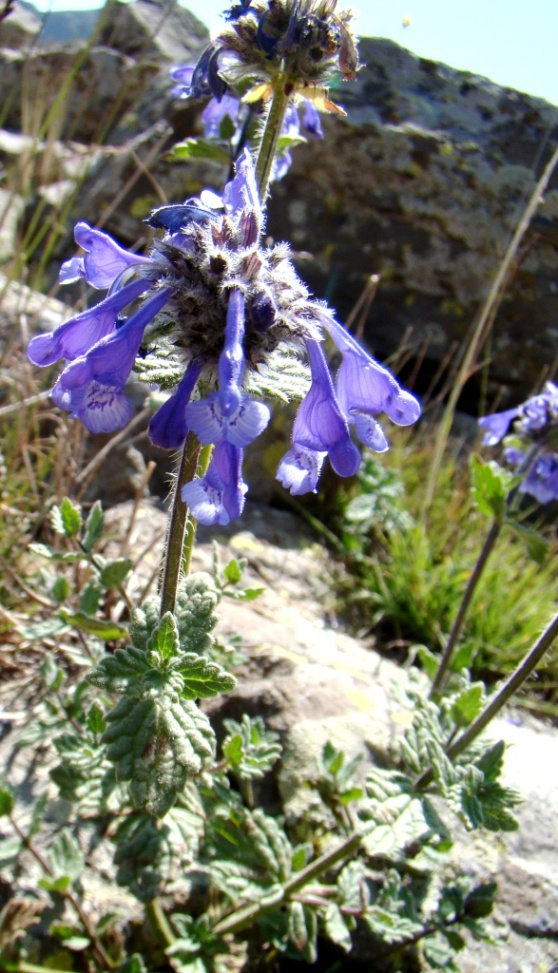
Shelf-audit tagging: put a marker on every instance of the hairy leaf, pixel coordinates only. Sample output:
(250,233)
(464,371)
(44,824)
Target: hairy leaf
(250,749)
(158,742)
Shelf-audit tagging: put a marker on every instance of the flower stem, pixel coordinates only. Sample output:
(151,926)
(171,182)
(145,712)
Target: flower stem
(177,525)
(510,687)
(270,137)
(490,540)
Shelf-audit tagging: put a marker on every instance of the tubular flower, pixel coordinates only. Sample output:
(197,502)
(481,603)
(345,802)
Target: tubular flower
(535,430)
(300,41)
(213,313)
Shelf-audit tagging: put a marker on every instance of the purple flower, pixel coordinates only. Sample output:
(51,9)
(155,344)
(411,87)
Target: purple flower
(212,313)
(218,497)
(168,427)
(104,260)
(76,336)
(91,387)
(535,424)
(320,428)
(228,415)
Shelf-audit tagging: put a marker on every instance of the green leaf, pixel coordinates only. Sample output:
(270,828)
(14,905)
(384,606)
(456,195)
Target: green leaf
(491,485)
(158,742)
(468,704)
(105,630)
(60,589)
(203,678)
(302,929)
(66,861)
(66,519)
(90,598)
(96,719)
(7,799)
(227,128)
(250,749)
(164,640)
(336,927)
(249,594)
(198,149)
(51,674)
(233,572)
(480,902)
(93,526)
(114,573)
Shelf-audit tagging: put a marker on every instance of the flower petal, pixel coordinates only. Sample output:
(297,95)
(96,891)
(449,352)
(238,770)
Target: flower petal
(497,426)
(168,427)
(300,469)
(76,336)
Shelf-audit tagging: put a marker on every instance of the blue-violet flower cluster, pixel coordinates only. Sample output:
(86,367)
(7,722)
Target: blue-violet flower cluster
(535,427)
(225,303)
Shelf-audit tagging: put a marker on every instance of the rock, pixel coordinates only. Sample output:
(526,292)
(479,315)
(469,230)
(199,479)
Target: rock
(86,109)
(20,28)
(151,29)
(423,183)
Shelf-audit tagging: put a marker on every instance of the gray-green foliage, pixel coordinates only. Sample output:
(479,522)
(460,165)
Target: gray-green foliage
(156,735)
(136,758)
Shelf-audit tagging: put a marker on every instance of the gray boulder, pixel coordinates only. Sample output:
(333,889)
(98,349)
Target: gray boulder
(423,183)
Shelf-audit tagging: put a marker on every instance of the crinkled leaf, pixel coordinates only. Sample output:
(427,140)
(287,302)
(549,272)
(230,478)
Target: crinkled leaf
(302,929)
(164,640)
(158,742)
(195,612)
(203,678)
(336,927)
(93,526)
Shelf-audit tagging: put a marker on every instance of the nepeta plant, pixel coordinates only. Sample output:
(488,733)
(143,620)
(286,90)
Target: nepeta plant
(222,323)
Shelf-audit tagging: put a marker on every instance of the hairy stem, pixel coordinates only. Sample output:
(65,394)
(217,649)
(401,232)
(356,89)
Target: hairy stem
(177,525)
(474,579)
(270,137)
(509,688)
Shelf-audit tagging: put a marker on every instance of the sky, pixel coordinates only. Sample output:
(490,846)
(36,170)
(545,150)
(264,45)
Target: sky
(512,42)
